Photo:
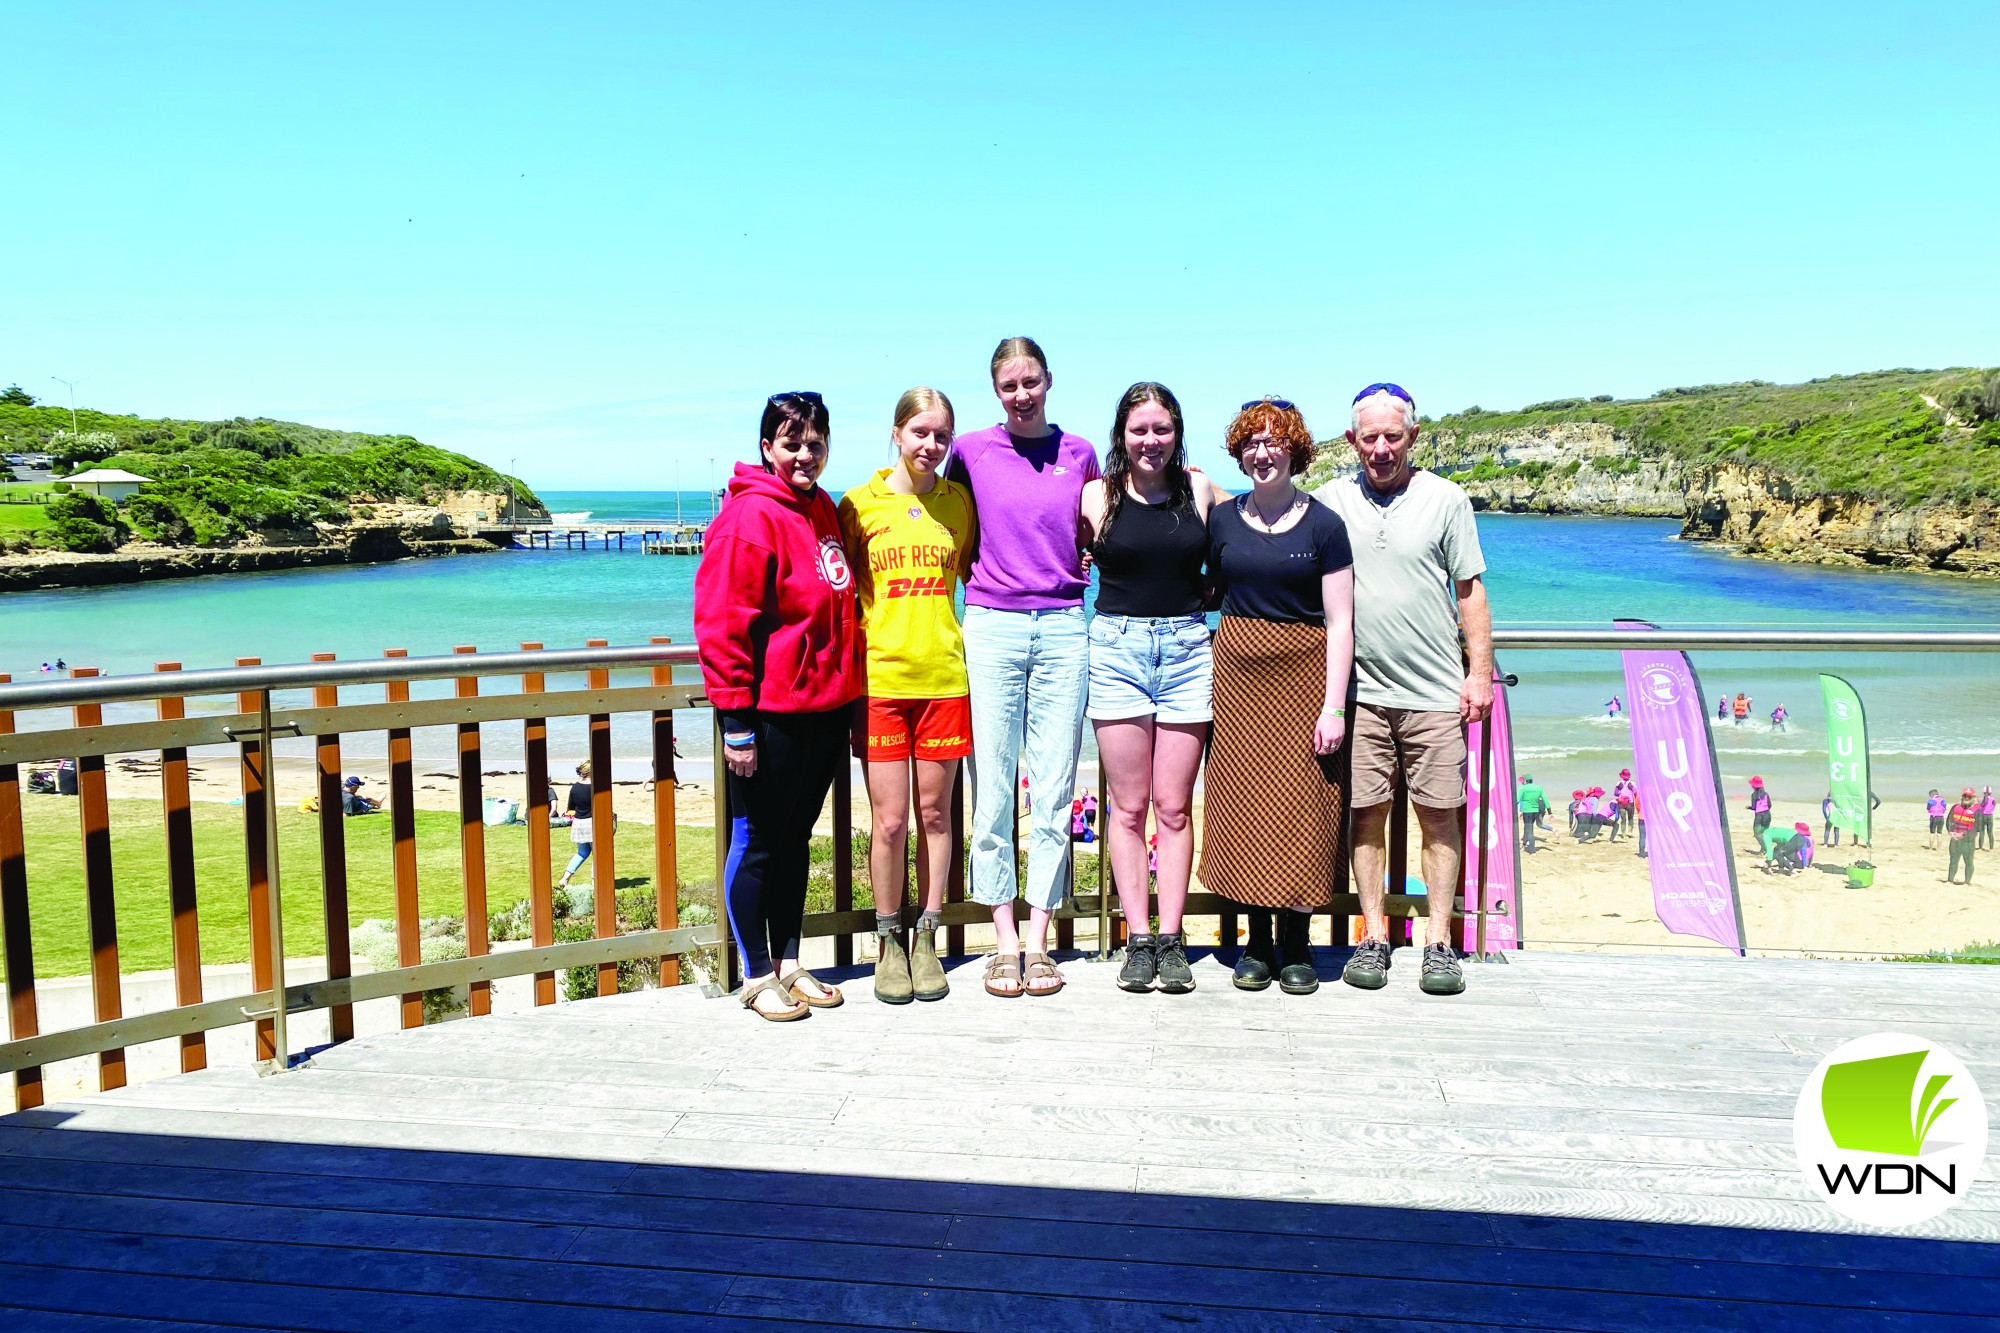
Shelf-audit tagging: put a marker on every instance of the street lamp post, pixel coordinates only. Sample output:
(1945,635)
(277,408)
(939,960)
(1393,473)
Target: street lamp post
(72,399)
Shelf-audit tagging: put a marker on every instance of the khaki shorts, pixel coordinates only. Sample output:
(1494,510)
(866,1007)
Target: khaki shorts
(1431,747)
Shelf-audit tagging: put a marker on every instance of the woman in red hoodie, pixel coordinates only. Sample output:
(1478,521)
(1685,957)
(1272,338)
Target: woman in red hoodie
(781,654)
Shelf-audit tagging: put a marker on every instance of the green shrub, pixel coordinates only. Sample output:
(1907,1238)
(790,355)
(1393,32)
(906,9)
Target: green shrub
(82,523)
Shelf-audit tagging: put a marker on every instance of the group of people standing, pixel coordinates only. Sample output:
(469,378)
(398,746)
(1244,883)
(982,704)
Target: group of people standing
(1354,645)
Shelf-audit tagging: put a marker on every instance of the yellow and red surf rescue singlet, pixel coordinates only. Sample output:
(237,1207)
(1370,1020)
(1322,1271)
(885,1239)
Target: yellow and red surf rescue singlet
(909,553)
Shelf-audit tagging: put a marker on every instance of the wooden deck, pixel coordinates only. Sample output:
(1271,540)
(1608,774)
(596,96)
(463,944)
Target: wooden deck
(1580,1142)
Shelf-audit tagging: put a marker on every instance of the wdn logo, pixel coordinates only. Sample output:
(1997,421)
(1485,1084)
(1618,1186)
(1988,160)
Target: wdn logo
(1890,1130)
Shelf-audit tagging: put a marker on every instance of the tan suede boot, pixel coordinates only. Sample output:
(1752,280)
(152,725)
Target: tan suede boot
(892,971)
(927,979)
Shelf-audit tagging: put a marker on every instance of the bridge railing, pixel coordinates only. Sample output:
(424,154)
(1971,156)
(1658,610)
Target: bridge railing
(252,724)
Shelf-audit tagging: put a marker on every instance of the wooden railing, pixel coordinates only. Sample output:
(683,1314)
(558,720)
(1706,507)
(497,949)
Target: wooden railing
(253,727)
(255,723)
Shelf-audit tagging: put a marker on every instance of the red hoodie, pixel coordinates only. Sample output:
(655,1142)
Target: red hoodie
(774,615)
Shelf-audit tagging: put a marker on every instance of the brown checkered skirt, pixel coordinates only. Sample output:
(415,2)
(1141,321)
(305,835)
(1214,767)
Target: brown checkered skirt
(1273,812)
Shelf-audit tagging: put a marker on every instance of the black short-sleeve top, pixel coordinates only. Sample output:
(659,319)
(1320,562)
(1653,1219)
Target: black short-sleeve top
(1275,576)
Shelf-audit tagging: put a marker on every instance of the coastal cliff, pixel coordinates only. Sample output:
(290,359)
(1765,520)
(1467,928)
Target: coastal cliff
(1896,469)
(111,498)
(1764,514)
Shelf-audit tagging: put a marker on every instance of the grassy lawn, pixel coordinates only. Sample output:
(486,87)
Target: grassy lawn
(22,517)
(56,898)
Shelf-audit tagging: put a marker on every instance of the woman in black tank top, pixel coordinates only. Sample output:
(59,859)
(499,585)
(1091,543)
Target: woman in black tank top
(1149,669)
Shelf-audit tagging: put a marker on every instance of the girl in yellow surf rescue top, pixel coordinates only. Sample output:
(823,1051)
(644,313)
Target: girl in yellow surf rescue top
(909,536)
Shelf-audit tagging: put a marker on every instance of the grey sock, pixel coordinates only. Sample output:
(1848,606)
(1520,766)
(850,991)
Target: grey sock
(930,921)
(889,925)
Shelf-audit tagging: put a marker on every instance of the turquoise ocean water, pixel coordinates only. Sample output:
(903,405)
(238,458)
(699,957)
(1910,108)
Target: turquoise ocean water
(1934,719)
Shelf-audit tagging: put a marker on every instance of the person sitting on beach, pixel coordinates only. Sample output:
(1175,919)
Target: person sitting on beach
(1419,593)
(352,802)
(779,640)
(910,535)
(1151,669)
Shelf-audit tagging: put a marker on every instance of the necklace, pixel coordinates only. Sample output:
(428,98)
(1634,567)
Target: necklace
(1256,515)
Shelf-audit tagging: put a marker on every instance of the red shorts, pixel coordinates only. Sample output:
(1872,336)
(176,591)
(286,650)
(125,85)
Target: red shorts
(936,729)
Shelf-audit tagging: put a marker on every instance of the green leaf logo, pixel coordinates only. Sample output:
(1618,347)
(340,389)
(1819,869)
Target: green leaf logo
(1871,1105)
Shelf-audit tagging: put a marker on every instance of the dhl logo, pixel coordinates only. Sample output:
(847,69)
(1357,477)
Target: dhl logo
(940,742)
(919,587)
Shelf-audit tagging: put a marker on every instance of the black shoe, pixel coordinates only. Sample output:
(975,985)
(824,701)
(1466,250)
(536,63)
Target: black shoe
(1176,977)
(1141,964)
(1368,969)
(1442,974)
(1297,977)
(1251,972)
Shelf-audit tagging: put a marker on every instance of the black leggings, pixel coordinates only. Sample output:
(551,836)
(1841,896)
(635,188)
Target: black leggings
(770,841)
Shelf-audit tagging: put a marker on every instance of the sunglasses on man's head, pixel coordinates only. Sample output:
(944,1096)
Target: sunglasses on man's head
(1282,404)
(1396,390)
(806,394)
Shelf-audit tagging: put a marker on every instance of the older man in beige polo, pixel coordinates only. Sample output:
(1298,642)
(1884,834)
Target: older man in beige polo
(1417,588)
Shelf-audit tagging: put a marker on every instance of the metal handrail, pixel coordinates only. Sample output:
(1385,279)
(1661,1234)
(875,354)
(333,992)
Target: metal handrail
(1755,641)
(305,675)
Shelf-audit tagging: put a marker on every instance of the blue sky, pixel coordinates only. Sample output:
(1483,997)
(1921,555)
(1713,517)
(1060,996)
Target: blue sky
(591,238)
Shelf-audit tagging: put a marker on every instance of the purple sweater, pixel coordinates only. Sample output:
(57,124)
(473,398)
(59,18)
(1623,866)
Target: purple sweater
(1029,495)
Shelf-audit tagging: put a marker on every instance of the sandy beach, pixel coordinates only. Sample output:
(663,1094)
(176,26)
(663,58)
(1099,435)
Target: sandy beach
(1589,896)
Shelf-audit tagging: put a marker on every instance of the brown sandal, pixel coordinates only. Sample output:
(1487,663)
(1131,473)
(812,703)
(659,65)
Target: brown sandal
(1041,965)
(790,984)
(750,993)
(1004,967)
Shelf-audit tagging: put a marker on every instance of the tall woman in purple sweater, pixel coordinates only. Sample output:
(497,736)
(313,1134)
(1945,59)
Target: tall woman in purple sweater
(1027,655)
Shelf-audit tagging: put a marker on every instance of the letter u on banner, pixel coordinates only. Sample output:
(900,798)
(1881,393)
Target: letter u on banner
(1673,761)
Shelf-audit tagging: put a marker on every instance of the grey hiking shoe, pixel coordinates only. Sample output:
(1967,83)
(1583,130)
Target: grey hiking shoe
(1368,969)
(1142,964)
(1442,974)
(1176,977)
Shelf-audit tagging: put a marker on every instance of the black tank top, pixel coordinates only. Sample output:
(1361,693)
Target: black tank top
(1150,562)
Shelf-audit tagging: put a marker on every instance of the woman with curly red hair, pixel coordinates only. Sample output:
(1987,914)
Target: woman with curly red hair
(1275,807)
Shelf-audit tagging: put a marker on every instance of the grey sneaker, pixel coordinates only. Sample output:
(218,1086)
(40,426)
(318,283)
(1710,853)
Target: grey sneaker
(1176,977)
(1141,964)
(1368,969)
(1442,974)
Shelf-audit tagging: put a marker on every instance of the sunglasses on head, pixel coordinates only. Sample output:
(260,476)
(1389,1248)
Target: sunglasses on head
(806,394)
(1282,404)
(1396,390)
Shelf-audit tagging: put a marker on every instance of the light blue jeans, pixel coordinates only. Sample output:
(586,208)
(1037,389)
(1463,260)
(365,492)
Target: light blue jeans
(1030,676)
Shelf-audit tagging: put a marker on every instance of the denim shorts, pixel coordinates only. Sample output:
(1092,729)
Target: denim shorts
(1158,667)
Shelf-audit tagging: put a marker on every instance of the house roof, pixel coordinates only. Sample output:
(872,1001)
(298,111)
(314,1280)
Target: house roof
(105,474)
